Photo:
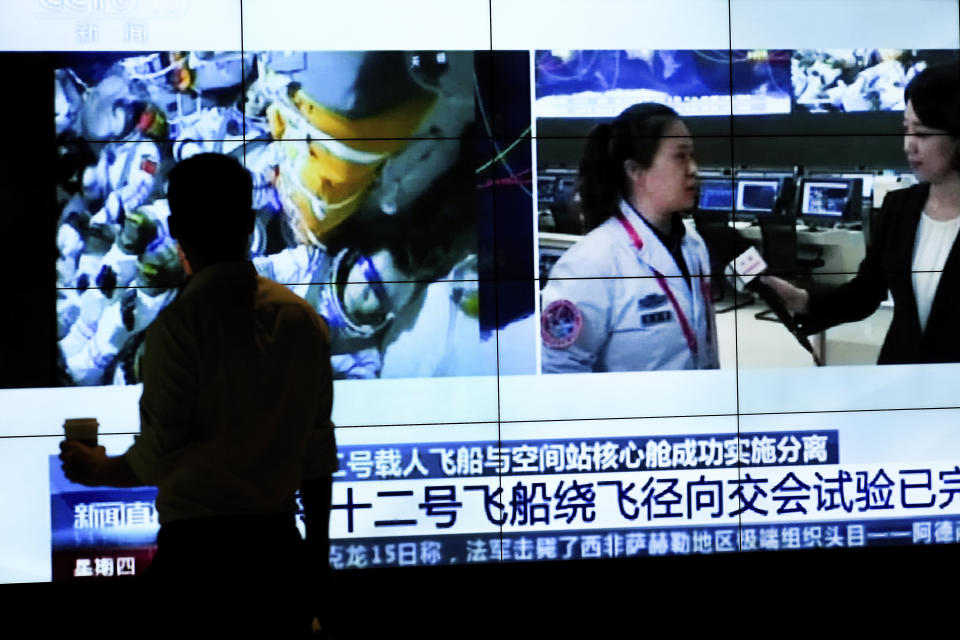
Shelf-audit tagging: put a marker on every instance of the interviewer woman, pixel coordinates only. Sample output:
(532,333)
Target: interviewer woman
(913,253)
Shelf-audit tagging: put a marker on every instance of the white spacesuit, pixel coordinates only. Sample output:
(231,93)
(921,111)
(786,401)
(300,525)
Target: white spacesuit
(124,178)
(616,301)
(97,319)
(212,130)
(357,295)
(69,247)
(96,338)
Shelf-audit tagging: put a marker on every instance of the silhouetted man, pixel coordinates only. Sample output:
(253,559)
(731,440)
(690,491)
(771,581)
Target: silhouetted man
(234,418)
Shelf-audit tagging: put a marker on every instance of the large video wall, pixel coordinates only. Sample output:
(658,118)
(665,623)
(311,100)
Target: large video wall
(402,155)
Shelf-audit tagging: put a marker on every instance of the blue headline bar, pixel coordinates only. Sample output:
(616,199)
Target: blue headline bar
(586,455)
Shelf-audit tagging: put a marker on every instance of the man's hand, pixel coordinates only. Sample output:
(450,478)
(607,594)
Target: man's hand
(92,466)
(81,463)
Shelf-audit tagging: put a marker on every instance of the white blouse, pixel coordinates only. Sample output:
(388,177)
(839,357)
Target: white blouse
(934,241)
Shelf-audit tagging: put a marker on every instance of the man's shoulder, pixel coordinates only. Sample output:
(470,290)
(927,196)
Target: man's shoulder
(170,313)
(276,295)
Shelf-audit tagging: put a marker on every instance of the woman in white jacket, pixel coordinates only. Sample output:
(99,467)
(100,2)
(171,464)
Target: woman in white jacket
(633,294)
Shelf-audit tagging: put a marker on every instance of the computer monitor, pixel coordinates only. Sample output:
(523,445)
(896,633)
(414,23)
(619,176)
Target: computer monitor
(546,189)
(866,179)
(556,189)
(756,196)
(831,201)
(716,195)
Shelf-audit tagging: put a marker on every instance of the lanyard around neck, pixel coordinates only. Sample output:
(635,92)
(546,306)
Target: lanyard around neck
(688,333)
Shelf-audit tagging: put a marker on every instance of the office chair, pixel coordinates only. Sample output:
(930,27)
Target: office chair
(781,253)
(723,244)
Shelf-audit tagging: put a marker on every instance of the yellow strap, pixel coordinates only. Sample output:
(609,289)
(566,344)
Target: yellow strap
(384,132)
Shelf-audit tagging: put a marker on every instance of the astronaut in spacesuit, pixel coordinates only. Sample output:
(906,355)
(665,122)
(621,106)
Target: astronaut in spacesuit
(355,133)
(353,140)
(853,79)
(142,114)
(633,294)
(98,317)
(343,147)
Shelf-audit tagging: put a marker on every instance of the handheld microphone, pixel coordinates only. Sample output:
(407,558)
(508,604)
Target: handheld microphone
(745,271)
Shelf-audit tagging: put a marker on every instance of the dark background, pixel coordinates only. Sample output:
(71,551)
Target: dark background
(898,592)
(871,140)
(28,217)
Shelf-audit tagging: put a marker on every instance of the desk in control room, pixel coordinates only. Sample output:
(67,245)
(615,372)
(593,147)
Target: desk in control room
(842,252)
(842,249)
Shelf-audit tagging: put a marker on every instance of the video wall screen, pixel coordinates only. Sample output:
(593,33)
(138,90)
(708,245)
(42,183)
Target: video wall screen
(601,84)
(518,377)
(853,79)
(385,237)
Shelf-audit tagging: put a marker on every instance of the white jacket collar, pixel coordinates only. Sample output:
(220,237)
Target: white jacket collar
(653,252)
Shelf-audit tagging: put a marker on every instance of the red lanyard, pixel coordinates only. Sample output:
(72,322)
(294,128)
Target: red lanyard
(707,294)
(688,333)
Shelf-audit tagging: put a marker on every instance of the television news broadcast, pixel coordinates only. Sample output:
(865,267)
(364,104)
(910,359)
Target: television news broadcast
(521,376)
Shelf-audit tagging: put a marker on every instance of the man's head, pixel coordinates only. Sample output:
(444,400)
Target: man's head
(211,216)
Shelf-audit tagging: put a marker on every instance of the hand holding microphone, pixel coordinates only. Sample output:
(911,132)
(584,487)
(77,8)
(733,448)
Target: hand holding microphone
(784,299)
(797,300)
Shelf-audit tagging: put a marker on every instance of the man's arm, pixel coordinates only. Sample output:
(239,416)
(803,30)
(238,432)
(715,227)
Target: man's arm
(315,494)
(93,467)
(167,404)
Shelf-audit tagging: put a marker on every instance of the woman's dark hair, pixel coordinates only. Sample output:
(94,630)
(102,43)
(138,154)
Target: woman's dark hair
(633,135)
(935,96)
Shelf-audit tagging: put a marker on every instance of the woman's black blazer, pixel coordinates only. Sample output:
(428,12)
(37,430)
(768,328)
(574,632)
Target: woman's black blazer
(887,266)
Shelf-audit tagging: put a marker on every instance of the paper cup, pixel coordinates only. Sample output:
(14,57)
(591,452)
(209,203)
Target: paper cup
(82,430)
